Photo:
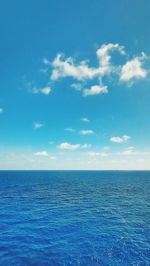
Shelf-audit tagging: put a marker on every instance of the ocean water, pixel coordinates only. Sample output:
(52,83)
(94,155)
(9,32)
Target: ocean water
(74,218)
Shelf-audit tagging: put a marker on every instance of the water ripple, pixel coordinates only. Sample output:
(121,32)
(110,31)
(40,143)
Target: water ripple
(75,218)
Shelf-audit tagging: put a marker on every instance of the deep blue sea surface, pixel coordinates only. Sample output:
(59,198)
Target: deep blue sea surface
(74,218)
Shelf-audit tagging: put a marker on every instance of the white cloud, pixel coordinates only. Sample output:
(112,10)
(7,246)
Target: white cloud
(133,69)
(130,151)
(67,68)
(86,146)
(45,61)
(53,157)
(87,132)
(70,129)
(46,90)
(1,110)
(68,146)
(120,139)
(106,148)
(85,119)
(95,154)
(77,86)
(95,90)
(103,54)
(41,153)
(82,72)
(38,125)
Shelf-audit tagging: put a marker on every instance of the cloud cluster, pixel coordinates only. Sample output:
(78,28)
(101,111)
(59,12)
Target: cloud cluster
(82,72)
(90,80)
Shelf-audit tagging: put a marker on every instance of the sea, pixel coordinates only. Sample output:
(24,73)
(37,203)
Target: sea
(75,218)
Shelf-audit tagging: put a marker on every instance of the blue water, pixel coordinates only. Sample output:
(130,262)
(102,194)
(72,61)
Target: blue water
(74,218)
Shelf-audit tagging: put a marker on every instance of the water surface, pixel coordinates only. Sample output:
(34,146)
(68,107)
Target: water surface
(74,218)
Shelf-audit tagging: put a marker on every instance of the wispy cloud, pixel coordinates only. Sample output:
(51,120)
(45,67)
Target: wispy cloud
(1,110)
(38,125)
(70,129)
(41,153)
(85,119)
(86,146)
(118,139)
(77,86)
(87,132)
(95,154)
(46,90)
(51,142)
(46,61)
(130,151)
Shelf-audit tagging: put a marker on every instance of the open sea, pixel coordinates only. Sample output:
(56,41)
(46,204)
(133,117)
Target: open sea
(75,218)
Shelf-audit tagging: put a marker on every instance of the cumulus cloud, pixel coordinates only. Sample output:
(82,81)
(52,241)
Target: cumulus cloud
(82,71)
(67,68)
(38,125)
(68,146)
(122,139)
(85,119)
(95,90)
(1,110)
(87,132)
(41,153)
(133,69)
(103,54)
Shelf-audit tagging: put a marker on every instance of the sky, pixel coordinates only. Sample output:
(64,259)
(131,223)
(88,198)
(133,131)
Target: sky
(75,84)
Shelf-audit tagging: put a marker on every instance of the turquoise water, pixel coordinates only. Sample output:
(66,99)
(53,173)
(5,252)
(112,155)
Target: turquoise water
(74,218)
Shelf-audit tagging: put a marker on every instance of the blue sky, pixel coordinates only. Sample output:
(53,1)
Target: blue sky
(75,84)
